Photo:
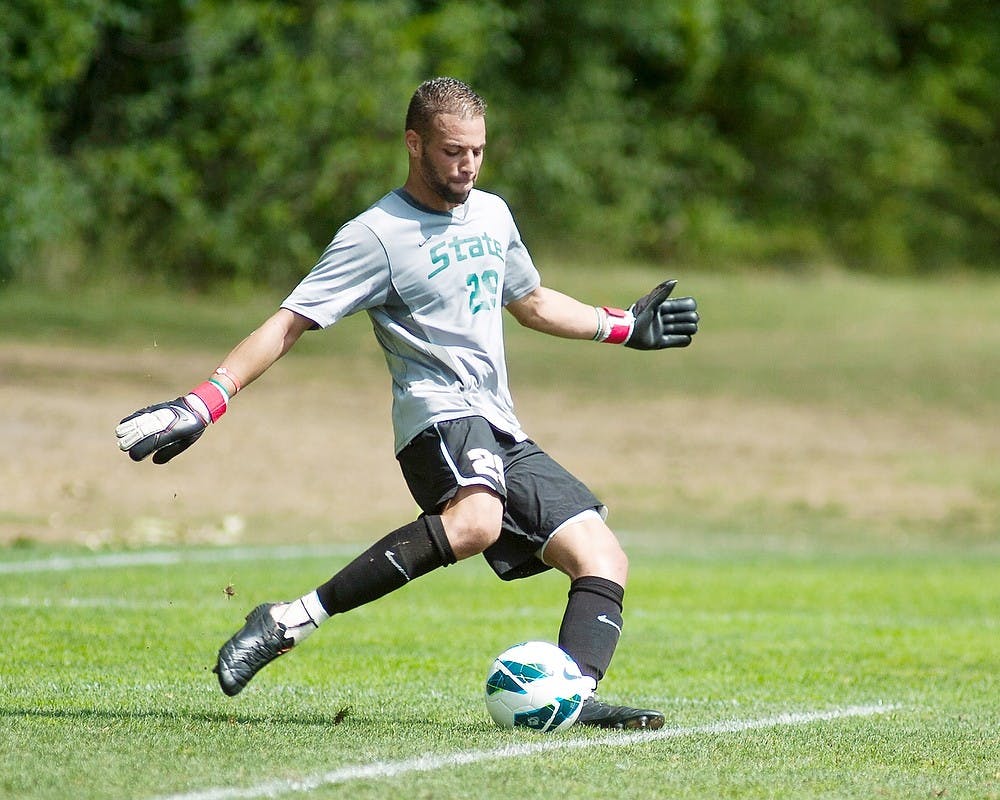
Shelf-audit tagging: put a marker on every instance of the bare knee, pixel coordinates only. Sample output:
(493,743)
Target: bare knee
(472,520)
(588,547)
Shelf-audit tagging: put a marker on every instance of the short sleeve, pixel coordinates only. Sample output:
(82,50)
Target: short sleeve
(351,275)
(521,276)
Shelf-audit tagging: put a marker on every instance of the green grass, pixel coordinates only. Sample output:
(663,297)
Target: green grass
(753,593)
(852,342)
(106,690)
(845,341)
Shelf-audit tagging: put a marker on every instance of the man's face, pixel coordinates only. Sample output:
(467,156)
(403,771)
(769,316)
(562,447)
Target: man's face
(450,156)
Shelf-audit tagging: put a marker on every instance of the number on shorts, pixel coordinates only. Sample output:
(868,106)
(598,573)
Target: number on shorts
(487,464)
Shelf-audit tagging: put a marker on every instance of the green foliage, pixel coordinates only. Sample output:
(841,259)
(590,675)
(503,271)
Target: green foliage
(226,140)
(45,47)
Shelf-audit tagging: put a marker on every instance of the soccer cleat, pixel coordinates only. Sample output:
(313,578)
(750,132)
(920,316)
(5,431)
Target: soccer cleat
(254,646)
(601,715)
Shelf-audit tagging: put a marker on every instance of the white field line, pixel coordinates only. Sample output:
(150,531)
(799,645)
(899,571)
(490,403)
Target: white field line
(430,763)
(160,558)
(93,602)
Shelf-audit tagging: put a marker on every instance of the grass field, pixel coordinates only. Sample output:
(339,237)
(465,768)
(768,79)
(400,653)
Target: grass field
(106,689)
(810,496)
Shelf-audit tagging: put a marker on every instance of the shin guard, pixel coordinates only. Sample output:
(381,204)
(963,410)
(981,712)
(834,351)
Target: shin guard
(592,623)
(392,562)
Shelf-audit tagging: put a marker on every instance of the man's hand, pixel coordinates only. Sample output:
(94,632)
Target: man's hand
(165,430)
(661,322)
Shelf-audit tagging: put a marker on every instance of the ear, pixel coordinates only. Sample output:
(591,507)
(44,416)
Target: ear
(414,144)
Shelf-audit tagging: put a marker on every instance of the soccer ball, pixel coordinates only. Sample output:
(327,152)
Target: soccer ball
(536,685)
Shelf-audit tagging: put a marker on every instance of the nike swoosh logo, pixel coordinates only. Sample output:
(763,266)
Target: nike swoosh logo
(392,560)
(604,618)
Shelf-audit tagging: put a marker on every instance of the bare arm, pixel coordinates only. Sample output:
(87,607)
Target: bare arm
(555,313)
(252,357)
(165,430)
(653,322)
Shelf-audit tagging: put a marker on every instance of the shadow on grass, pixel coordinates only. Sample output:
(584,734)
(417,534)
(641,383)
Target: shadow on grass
(230,718)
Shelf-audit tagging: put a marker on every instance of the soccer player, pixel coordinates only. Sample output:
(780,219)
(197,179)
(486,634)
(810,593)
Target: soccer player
(433,264)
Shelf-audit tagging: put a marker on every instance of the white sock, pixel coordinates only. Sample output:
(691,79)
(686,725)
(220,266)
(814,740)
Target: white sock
(300,617)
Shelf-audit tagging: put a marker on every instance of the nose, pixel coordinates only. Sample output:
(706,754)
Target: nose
(468,163)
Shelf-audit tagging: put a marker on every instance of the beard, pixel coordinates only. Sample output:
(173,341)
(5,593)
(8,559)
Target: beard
(440,186)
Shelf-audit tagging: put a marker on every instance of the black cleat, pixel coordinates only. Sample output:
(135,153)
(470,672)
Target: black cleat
(254,646)
(601,715)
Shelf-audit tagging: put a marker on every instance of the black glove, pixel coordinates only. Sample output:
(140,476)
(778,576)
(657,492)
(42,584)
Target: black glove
(660,322)
(165,430)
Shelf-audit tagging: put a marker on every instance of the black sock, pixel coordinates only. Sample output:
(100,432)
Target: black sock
(592,623)
(392,562)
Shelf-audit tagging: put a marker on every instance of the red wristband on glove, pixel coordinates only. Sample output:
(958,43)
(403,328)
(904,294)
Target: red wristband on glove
(214,397)
(620,323)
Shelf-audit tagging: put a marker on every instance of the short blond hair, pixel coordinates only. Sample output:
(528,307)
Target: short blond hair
(442,96)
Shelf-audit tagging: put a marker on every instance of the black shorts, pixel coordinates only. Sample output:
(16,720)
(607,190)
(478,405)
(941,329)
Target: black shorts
(539,495)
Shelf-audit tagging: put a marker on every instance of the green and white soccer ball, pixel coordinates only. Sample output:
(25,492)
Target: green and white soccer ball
(536,685)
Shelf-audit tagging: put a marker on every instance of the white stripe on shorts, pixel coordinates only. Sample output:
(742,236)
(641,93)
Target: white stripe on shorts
(589,513)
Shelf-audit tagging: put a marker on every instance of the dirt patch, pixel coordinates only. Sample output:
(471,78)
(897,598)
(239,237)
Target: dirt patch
(289,449)
(728,455)
(305,455)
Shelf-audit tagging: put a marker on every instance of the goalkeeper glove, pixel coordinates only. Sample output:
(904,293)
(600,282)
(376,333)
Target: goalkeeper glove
(653,322)
(168,429)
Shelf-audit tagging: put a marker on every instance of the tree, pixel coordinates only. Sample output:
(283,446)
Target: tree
(225,140)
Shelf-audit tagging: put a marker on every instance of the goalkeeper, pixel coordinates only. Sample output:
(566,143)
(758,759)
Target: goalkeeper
(434,263)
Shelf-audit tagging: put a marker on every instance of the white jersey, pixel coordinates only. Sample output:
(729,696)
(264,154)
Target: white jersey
(434,285)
